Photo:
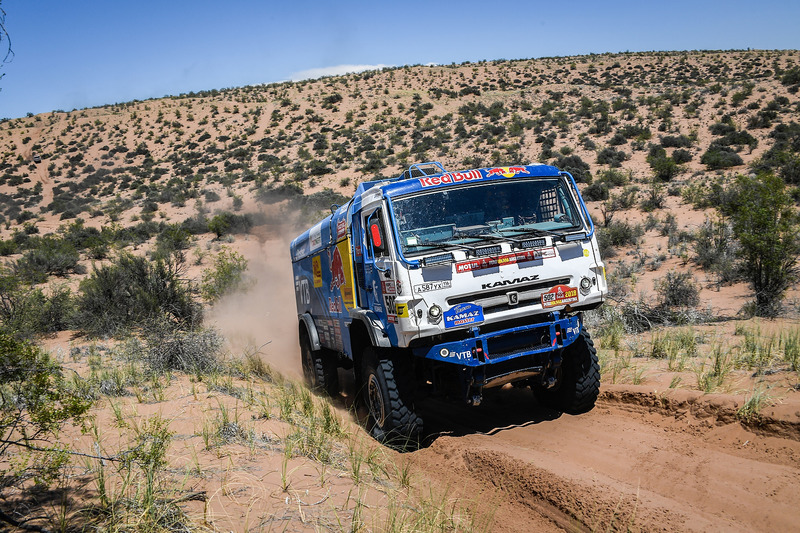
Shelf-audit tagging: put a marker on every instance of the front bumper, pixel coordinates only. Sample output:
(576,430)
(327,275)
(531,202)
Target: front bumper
(503,356)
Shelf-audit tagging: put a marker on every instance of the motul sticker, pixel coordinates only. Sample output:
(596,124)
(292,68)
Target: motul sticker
(462,315)
(559,295)
(482,263)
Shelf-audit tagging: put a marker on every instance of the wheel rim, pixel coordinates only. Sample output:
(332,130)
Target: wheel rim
(377,409)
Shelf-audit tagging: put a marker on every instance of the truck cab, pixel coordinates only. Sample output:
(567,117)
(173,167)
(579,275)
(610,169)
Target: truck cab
(452,283)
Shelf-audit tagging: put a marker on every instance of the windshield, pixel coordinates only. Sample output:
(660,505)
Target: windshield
(466,216)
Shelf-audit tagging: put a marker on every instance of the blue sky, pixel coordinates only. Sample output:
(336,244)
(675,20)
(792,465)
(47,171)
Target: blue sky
(83,53)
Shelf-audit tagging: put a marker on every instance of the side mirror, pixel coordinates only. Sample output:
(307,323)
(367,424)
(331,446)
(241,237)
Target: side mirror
(376,236)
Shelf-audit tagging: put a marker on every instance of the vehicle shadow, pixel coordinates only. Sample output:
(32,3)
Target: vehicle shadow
(503,409)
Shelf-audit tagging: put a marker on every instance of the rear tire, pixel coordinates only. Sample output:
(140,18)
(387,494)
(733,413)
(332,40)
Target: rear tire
(319,367)
(387,390)
(579,383)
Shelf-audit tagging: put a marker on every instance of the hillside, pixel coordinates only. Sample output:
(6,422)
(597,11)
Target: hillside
(189,182)
(688,118)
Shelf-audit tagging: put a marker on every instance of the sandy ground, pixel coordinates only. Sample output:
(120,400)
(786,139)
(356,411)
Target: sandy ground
(641,460)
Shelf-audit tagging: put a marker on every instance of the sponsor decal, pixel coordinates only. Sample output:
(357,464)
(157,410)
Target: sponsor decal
(402,310)
(388,301)
(507,172)
(315,237)
(389,287)
(335,305)
(432,286)
(337,270)
(463,355)
(559,295)
(341,229)
(316,267)
(463,315)
(504,282)
(451,177)
(482,263)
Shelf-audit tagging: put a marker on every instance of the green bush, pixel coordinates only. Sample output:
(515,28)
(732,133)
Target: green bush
(35,400)
(131,291)
(719,157)
(46,256)
(767,226)
(227,275)
(30,311)
(715,250)
(611,156)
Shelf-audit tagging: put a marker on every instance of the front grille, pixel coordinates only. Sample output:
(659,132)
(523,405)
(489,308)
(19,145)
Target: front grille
(519,341)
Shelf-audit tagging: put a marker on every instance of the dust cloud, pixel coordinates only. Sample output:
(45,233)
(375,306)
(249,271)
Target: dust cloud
(263,319)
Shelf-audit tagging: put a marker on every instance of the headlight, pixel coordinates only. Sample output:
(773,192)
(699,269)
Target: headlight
(586,285)
(434,314)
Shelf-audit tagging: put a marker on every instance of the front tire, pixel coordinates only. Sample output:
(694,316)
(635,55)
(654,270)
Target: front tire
(578,385)
(319,367)
(387,393)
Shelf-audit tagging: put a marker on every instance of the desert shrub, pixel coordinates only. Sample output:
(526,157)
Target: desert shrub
(653,198)
(664,168)
(680,141)
(225,276)
(613,177)
(165,349)
(617,233)
(677,290)
(611,156)
(35,401)
(575,166)
(173,238)
(30,311)
(46,256)
(7,247)
(681,156)
(122,296)
(715,250)
(226,222)
(596,191)
(718,157)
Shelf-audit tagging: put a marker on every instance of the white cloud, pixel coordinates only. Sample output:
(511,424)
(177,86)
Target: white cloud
(337,70)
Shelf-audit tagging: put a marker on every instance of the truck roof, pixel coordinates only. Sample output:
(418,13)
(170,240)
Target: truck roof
(419,178)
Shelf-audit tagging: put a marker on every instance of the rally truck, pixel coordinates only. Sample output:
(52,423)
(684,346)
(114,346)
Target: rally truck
(451,283)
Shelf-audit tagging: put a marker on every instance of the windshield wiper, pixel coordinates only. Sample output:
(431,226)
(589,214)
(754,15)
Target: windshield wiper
(539,231)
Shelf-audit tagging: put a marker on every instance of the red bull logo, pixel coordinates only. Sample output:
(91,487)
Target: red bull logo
(452,177)
(505,171)
(337,270)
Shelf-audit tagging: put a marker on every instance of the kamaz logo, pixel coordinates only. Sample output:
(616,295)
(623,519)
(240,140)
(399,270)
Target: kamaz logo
(505,282)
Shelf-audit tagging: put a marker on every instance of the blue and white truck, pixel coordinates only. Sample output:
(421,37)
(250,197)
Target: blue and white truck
(451,283)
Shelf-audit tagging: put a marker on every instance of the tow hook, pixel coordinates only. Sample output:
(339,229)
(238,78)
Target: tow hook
(550,376)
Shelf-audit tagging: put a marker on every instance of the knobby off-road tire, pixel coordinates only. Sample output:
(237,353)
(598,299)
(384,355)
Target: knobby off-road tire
(387,392)
(319,367)
(579,382)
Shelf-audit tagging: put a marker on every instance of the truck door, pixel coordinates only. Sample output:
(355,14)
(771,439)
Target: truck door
(377,288)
